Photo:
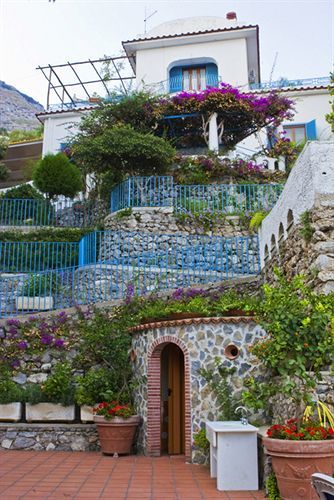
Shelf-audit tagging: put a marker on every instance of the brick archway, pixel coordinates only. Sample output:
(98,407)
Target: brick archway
(154,396)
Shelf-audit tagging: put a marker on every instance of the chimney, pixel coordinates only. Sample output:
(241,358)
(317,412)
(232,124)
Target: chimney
(231,16)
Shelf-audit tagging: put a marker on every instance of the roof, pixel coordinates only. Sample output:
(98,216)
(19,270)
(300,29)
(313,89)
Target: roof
(289,89)
(192,321)
(205,32)
(60,111)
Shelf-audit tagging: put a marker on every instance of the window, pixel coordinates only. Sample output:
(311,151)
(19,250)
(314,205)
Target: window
(193,79)
(295,133)
(301,132)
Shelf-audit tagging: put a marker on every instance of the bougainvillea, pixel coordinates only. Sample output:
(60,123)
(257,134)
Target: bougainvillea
(239,114)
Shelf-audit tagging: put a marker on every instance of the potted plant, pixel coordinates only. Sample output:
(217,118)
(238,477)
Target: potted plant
(92,386)
(53,400)
(299,345)
(116,425)
(11,397)
(37,293)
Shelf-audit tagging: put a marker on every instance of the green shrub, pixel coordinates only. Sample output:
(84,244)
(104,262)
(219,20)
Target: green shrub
(272,488)
(40,285)
(256,220)
(55,175)
(10,392)
(59,386)
(24,191)
(95,386)
(306,229)
(201,442)
(4,171)
(54,234)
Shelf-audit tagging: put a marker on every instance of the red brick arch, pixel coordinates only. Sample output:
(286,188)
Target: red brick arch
(154,396)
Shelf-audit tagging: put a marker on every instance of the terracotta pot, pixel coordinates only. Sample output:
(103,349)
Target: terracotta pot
(294,462)
(116,435)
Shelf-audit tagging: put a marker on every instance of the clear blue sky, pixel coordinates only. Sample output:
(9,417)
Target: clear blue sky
(34,32)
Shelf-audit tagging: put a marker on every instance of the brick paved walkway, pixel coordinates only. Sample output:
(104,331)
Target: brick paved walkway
(74,475)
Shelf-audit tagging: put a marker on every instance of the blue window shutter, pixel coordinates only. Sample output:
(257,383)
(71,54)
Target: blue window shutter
(175,79)
(311,133)
(211,75)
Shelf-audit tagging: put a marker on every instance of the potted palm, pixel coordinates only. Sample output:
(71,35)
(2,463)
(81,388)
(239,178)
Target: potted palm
(116,425)
(298,348)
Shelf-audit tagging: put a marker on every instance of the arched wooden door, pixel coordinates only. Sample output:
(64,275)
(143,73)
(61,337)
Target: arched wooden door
(172,400)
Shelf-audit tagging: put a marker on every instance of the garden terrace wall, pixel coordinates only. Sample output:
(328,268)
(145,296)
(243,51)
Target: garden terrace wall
(313,256)
(49,437)
(162,220)
(201,340)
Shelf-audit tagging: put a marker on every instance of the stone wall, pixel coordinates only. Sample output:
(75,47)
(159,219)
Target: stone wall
(162,220)
(205,339)
(49,437)
(313,258)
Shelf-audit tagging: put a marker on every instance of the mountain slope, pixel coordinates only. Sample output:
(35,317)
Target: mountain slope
(17,110)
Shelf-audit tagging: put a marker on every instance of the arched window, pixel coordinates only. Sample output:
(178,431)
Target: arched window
(193,75)
(273,247)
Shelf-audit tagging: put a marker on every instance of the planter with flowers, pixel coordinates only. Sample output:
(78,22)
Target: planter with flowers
(116,425)
(299,346)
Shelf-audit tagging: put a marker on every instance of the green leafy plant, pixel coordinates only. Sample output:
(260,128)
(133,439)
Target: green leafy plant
(306,229)
(95,385)
(298,346)
(24,191)
(219,382)
(257,219)
(272,488)
(4,171)
(10,392)
(122,214)
(41,285)
(201,442)
(59,386)
(55,175)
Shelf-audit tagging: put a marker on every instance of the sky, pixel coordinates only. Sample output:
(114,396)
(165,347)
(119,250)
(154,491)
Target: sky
(40,32)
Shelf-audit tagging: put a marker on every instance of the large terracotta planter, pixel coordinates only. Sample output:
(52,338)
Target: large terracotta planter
(294,462)
(116,435)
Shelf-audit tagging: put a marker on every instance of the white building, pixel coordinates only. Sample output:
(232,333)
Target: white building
(193,53)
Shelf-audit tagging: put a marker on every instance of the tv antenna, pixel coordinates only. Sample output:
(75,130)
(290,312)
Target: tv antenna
(147,18)
(273,67)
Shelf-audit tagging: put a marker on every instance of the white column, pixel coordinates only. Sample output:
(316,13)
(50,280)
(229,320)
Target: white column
(213,133)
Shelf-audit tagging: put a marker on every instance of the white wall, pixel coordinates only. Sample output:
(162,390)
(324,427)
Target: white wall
(309,105)
(312,175)
(59,128)
(230,56)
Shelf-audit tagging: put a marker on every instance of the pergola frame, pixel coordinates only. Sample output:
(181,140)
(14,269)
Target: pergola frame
(56,86)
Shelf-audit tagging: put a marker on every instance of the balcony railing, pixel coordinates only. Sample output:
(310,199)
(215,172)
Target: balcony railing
(284,83)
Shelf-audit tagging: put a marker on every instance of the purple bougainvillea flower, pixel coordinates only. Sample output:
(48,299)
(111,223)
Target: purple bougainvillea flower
(13,322)
(59,342)
(12,331)
(47,339)
(15,363)
(22,345)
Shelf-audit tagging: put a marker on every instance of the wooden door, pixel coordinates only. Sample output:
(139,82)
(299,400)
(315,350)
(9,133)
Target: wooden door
(175,400)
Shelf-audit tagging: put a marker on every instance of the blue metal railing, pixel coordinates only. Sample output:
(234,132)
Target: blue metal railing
(177,82)
(65,213)
(220,198)
(28,257)
(302,82)
(153,191)
(110,261)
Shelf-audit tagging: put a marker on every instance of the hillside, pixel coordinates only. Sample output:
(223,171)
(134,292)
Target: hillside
(17,110)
